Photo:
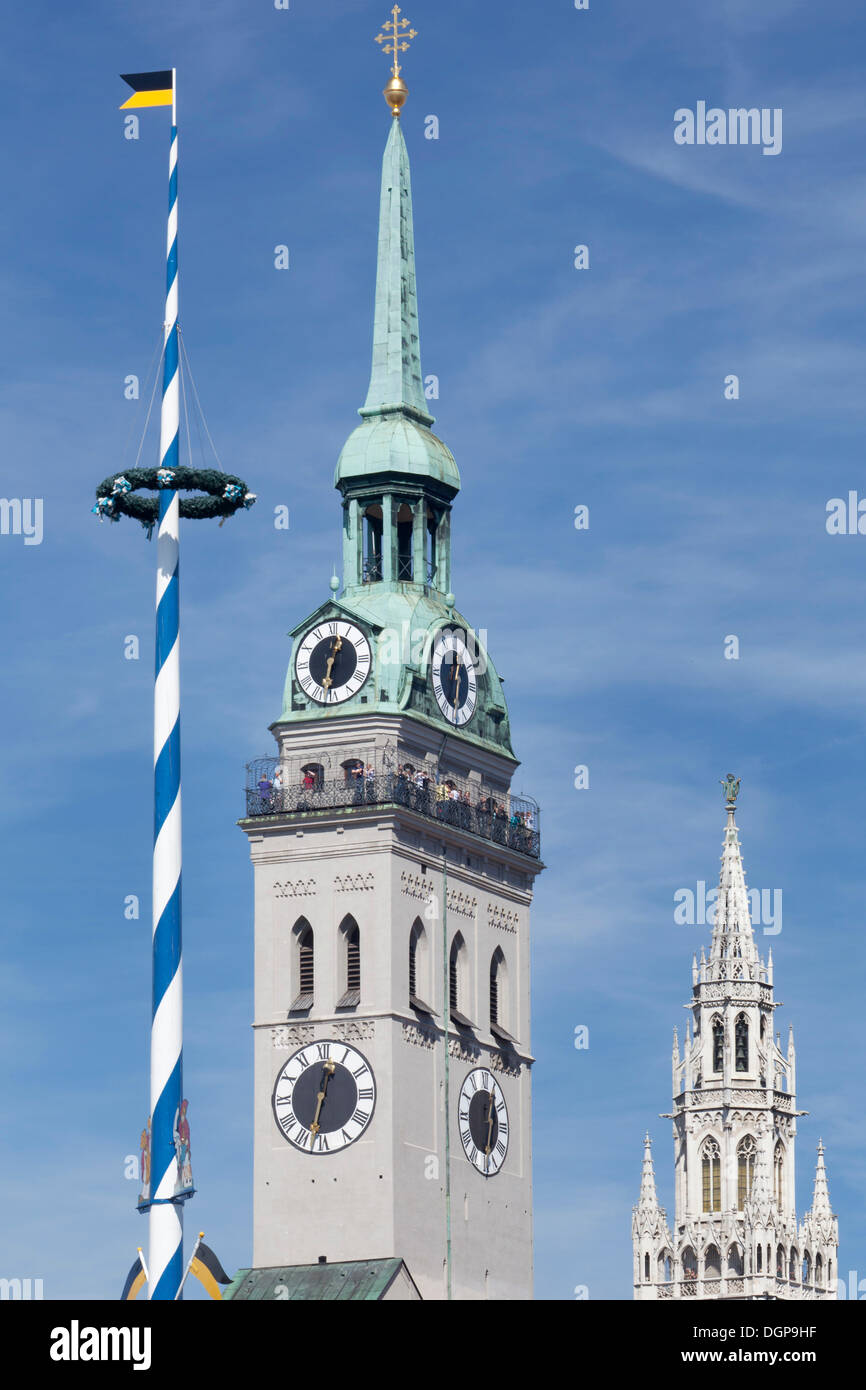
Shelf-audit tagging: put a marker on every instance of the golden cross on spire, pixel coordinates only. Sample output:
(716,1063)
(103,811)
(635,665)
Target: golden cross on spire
(394,38)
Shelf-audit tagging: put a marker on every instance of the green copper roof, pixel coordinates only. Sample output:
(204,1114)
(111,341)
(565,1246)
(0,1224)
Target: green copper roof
(395,435)
(362,1280)
(395,380)
(396,443)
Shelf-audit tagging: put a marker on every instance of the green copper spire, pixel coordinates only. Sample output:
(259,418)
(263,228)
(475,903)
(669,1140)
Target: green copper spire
(395,380)
(395,438)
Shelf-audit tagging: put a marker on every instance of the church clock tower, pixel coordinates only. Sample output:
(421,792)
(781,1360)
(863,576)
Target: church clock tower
(394,870)
(735,1233)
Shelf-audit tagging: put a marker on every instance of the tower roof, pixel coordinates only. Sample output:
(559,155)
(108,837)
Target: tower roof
(395,437)
(732,932)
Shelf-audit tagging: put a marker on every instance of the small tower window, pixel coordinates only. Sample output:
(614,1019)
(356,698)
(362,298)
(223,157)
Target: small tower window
(418,971)
(779,1176)
(746,1156)
(646,1267)
(494,992)
(351,943)
(430,547)
(372,544)
(404,542)
(741,1043)
(711,1174)
(304,965)
(413,964)
(457,987)
(718,1044)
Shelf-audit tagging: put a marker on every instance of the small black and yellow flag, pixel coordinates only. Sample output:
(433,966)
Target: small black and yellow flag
(149,88)
(134,1280)
(208,1270)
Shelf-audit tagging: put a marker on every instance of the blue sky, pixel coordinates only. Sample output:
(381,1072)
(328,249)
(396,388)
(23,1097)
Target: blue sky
(557,387)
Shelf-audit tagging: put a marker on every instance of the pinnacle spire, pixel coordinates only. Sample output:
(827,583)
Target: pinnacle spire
(821,1193)
(395,379)
(732,932)
(648,1201)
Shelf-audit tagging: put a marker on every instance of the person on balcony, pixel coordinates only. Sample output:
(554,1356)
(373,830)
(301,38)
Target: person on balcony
(277,786)
(264,787)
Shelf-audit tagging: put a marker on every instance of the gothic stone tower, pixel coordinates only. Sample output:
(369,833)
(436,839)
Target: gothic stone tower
(393,879)
(735,1232)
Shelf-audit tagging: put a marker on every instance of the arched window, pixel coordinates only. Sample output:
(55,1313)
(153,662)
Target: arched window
(711,1173)
(807,1268)
(759,1263)
(718,1044)
(304,965)
(646,1273)
(458,993)
(747,1154)
(312,776)
(418,967)
(819,1270)
(712,1263)
(780,1262)
(663,1266)
(494,993)
(430,547)
(793,1262)
(735,1260)
(372,544)
(741,1043)
(350,940)
(779,1176)
(690,1264)
(404,542)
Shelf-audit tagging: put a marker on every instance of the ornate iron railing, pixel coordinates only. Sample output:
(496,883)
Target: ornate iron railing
(499,817)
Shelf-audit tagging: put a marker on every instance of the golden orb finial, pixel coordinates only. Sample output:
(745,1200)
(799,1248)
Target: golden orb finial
(394,38)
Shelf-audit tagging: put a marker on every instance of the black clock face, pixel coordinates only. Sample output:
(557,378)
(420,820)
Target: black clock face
(455,678)
(333,661)
(324,1097)
(483,1119)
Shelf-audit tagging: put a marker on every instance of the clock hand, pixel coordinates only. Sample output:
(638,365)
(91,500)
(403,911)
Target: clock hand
(327,682)
(489,1125)
(327,1073)
(455,678)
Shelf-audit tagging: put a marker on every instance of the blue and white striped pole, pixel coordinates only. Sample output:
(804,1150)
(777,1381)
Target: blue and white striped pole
(166,1044)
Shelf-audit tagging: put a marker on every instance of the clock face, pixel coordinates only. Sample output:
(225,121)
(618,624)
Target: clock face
(455,679)
(483,1118)
(324,1097)
(333,661)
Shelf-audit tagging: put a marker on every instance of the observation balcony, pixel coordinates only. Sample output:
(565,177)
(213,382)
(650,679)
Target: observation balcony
(274,789)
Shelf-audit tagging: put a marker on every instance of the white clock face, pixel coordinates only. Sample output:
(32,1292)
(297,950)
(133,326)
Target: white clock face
(333,661)
(455,679)
(483,1119)
(324,1097)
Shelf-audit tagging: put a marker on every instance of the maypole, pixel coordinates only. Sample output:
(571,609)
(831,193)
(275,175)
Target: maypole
(168,1182)
(166,1038)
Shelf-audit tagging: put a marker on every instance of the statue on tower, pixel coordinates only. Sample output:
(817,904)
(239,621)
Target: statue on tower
(731,785)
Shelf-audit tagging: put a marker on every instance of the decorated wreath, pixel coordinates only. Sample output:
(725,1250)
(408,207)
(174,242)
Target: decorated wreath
(224,494)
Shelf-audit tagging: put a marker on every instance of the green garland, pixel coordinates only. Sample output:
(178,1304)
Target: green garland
(226,494)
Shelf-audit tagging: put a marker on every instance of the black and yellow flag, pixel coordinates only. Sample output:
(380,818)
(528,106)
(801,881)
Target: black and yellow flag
(134,1280)
(208,1270)
(149,88)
